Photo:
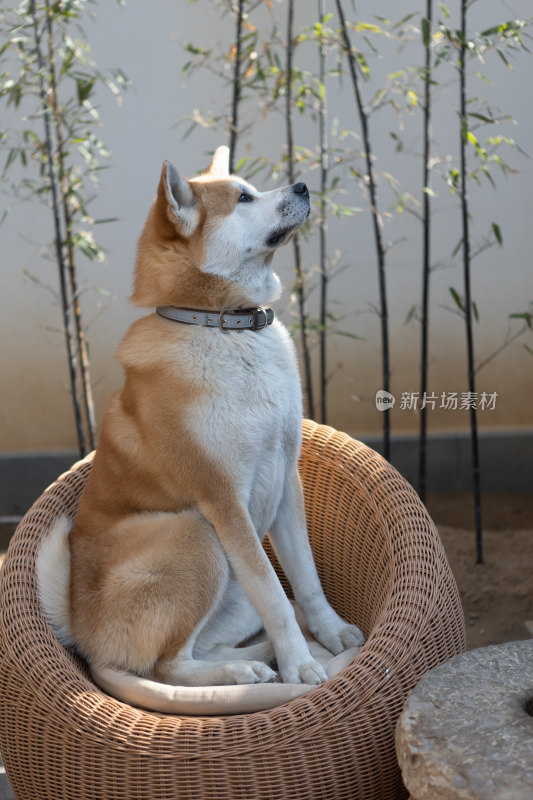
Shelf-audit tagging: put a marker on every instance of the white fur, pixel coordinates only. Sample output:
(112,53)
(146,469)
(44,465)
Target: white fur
(237,248)
(53,576)
(247,417)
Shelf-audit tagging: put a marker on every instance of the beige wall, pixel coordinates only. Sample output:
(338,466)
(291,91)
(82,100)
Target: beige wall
(144,39)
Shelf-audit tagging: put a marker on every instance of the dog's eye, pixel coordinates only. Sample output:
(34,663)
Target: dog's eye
(245,198)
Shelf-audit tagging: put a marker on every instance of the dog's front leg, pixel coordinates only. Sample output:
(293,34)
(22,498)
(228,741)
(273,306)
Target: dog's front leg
(258,578)
(291,544)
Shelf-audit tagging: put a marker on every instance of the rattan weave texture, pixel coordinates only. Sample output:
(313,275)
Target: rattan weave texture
(382,566)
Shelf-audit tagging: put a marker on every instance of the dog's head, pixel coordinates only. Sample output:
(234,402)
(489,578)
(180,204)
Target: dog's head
(209,241)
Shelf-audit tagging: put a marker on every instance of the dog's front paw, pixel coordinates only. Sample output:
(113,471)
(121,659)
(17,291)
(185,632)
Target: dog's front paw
(309,671)
(338,639)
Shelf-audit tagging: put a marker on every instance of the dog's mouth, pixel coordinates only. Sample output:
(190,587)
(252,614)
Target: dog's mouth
(280,236)
(293,211)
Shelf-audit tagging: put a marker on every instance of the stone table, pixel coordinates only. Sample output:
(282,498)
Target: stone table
(466,731)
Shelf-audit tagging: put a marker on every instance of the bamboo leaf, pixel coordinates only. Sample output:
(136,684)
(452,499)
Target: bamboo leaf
(504,59)
(240,165)
(475,310)
(348,335)
(481,117)
(410,314)
(404,20)
(457,299)
(425,32)
(489,177)
(12,155)
(497,233)
(457,248)
(84,89)
(526,316)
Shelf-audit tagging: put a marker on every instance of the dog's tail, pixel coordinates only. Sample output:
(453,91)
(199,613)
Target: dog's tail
(198,700)
(53,578)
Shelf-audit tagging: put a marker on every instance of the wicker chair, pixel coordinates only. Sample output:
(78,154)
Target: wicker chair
(382,566)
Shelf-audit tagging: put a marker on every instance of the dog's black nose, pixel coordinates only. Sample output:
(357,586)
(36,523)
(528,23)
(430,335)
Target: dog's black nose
(300,188)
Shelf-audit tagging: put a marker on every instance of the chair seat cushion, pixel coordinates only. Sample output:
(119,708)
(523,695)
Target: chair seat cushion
(216,700)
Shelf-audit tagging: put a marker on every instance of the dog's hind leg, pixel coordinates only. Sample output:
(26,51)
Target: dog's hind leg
(184,670)
(169,573)
(260,651)
(209,658)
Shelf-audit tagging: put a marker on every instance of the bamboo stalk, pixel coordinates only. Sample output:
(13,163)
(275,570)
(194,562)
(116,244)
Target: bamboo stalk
(323,143)
(380,251)
(300,277)
(83,357)
(426,262)
(234,128)
(58,240)
(468,297)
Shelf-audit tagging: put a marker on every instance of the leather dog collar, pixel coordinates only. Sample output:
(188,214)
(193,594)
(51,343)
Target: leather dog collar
(234,319)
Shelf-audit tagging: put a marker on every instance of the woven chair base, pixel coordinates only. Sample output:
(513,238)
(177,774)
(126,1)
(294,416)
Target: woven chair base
(382,566)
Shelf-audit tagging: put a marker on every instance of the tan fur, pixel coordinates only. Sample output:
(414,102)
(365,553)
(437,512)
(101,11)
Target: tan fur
(163,540)
(131,544)
(166,259)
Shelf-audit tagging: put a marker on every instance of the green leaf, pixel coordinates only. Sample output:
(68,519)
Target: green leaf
(84,242)
(526,316)
(457,298)
(457,248)
(365,69)
(12,155)
(349,335)
(474,309)
(425,32)
(497,233)
(410,314)
(404,20)
(504,59)
(489,177)
(240,165)
(481,117)
(84,89)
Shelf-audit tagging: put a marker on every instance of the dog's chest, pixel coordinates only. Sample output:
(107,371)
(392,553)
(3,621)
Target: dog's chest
(247,414)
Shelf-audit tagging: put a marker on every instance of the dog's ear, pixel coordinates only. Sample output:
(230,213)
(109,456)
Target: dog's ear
(219,166)
(180,198)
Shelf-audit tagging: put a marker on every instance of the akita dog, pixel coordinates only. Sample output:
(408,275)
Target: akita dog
(196,460)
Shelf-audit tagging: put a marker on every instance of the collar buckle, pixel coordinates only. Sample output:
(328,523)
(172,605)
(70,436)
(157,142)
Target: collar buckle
(260,318)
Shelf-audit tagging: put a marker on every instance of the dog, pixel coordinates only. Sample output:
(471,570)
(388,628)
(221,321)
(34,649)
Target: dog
(163,573)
